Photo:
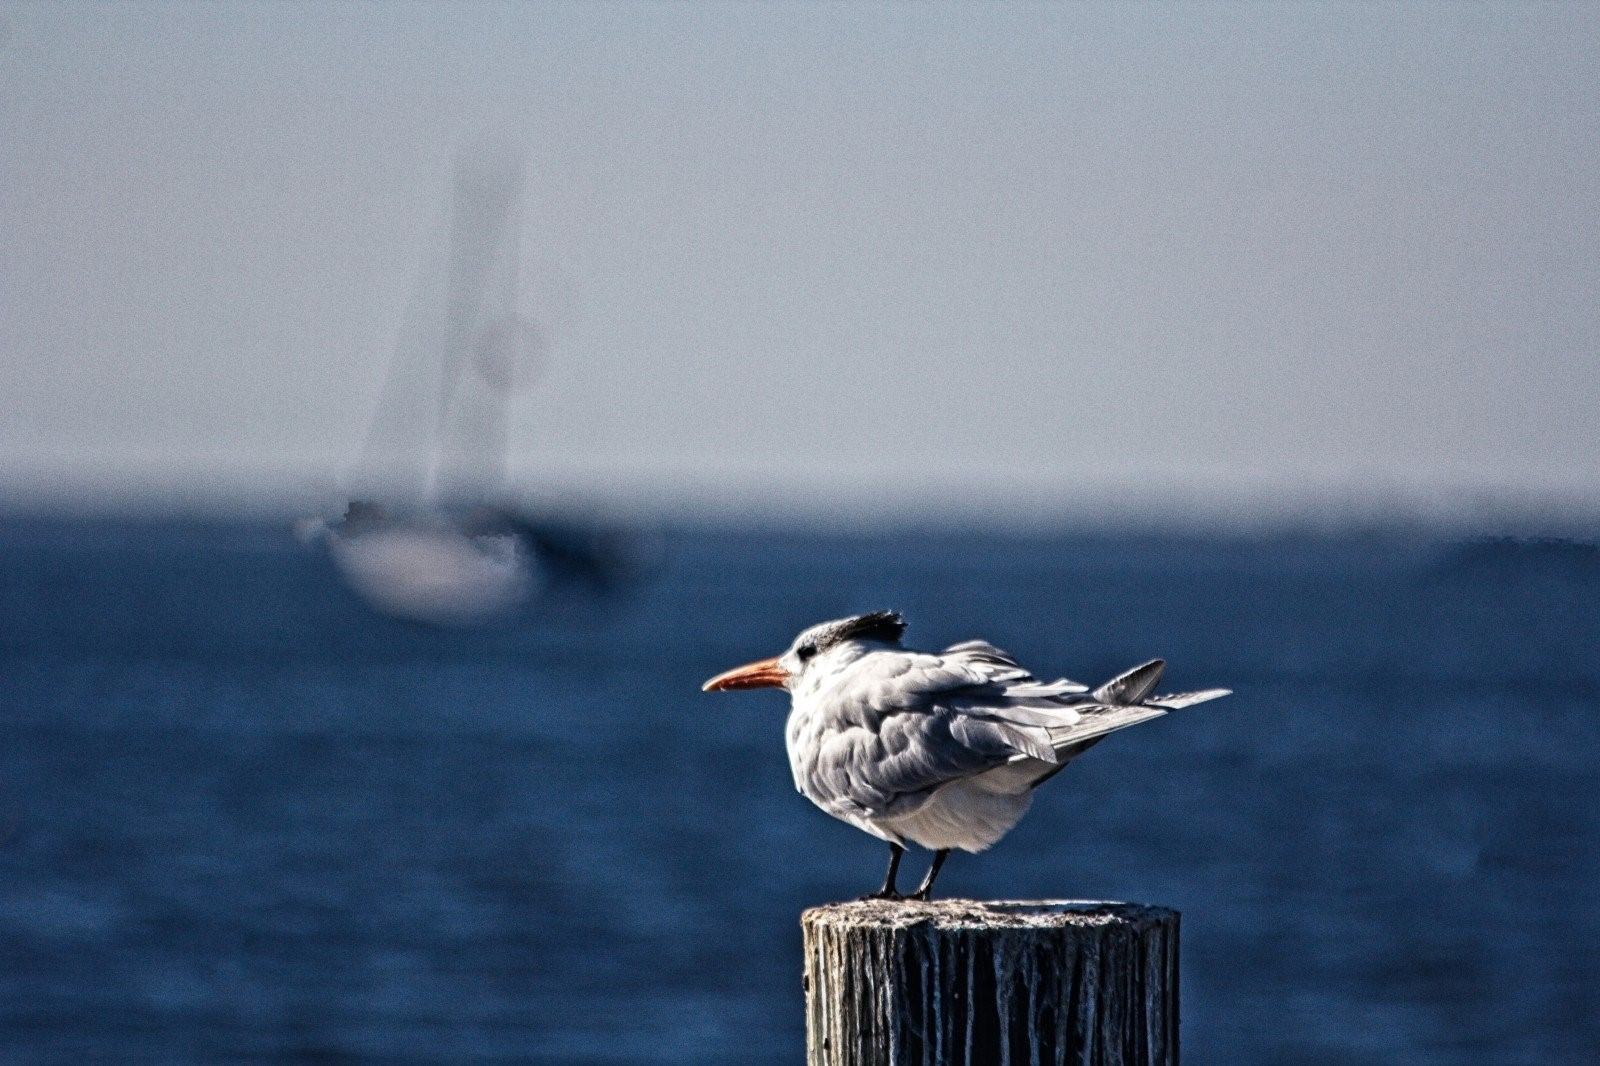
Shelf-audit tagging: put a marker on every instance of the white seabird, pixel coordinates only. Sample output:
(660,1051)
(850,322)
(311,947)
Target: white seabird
(939,750)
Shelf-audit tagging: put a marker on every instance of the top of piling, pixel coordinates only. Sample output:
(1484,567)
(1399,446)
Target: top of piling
(987,914)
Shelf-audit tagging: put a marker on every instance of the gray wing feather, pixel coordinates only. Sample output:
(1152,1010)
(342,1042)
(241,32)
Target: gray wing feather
(915,722)
(920,721)
(1179,700)
(999,665)
(981,648)
(1099,719)
(909,755)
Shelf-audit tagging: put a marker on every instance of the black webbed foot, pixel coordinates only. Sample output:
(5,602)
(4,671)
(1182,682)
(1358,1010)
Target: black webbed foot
(888,890)
(888,894)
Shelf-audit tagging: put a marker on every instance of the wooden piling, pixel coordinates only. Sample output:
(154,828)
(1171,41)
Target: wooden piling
(974,983)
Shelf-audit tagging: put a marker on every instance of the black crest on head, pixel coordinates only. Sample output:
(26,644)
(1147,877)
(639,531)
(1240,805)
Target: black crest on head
(879,625)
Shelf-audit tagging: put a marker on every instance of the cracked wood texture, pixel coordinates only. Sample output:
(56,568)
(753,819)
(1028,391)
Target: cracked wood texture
(966,982)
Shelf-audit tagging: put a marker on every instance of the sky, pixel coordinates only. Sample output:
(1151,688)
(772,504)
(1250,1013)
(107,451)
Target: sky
(981,260)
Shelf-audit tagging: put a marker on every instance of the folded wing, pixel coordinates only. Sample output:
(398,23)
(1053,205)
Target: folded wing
(921,721)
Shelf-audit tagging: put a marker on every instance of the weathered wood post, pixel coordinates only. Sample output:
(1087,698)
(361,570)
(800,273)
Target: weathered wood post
(958,981)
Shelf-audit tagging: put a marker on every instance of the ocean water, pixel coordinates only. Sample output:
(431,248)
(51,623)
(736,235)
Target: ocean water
(241,818)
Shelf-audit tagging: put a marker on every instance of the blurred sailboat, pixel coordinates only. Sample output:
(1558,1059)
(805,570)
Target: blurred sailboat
(425,568)
(429,537)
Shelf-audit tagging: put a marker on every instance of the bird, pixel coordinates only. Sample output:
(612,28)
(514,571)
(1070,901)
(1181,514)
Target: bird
(942,750)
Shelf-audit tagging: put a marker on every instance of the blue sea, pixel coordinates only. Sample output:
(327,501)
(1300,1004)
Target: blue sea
(244,819)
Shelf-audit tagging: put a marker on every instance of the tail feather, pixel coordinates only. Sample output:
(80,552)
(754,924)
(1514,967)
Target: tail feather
(1123,701)
(1133,686)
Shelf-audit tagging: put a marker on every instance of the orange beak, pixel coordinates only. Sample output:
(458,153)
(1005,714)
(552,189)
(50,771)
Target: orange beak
(764,674)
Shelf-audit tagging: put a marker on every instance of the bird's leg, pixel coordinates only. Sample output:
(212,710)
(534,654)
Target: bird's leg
(888,891)
(933,871)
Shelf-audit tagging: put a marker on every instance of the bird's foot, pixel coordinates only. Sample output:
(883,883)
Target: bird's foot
(920,895)
(882,893)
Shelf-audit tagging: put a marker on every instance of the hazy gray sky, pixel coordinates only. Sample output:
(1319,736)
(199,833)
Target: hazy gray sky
(977,256)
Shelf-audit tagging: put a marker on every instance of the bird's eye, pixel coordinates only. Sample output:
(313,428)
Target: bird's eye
(806,651)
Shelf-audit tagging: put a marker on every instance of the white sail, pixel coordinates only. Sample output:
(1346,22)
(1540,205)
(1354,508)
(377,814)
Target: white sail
(436,447)
(438,434)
